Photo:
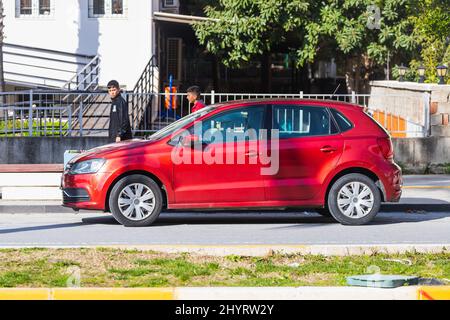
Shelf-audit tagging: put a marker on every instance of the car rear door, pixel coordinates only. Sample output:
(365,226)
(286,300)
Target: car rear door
(309,148)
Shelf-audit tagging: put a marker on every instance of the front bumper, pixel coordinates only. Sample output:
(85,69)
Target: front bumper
(74,195)
(84,191)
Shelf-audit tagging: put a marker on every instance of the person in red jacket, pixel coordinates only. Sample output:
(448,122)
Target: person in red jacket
(193,95)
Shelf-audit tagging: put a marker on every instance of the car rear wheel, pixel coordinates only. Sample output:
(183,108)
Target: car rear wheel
(354,199)
(135,201)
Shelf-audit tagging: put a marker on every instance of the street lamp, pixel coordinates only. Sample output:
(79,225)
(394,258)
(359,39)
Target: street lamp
(402,71)
(441,72)
(421,71)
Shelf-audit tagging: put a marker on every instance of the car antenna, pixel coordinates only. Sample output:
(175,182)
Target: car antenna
(334,93)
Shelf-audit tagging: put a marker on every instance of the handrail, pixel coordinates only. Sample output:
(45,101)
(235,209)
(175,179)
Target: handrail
(49,51)
(144,85)
(95,61)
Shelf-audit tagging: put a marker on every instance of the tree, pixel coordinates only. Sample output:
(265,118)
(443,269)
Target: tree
(245,29)
(242,30)
(431,20)
(364,35)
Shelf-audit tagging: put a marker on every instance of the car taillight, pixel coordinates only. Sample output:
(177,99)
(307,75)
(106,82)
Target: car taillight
(386,147)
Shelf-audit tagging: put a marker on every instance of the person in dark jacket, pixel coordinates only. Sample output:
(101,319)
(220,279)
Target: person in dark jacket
(119,121)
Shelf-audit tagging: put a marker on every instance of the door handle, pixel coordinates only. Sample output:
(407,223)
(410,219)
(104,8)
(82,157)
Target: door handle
(328,149)
(251,154)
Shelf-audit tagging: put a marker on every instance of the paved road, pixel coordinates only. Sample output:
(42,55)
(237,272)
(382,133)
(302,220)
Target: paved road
(222,228)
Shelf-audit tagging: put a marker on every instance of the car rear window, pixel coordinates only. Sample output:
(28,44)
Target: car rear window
(343,123)
(294,121)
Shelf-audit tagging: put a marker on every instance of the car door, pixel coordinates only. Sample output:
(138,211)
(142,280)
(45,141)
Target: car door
(309,147)
(222,182)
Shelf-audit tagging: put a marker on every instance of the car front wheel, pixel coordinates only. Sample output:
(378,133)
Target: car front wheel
(354,199)
(135,201)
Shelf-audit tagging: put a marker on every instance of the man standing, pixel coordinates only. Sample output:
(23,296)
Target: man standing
(119,121)
(193,95)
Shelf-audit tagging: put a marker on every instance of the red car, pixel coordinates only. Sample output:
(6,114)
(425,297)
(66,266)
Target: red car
(324,155)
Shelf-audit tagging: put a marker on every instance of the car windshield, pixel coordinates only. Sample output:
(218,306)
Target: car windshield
(174,126)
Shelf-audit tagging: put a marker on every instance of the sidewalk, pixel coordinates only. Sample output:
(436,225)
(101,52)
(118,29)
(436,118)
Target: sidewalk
(420,193)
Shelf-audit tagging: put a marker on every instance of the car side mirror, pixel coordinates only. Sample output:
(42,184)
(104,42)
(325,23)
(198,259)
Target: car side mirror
(190,140)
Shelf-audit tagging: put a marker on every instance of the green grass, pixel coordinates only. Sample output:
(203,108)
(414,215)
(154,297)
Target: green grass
(21,128)
(120,268)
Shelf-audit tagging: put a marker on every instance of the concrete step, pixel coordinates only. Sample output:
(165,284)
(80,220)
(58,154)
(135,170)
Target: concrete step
(30,186)
(31,193)
(46,179)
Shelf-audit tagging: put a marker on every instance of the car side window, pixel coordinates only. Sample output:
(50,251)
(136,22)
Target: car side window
(294,121)
(241,124)
(343,123)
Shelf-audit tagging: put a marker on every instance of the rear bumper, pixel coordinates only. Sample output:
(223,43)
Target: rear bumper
(393,183)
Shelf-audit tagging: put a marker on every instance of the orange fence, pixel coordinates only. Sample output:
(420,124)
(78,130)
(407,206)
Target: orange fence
(396,125)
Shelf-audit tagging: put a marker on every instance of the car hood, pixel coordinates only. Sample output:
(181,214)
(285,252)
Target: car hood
(102,151)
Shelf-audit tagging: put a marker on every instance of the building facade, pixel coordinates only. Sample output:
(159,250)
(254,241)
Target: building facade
(48,41)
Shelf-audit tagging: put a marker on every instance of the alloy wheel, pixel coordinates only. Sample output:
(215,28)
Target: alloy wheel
(355,200)
(136,201)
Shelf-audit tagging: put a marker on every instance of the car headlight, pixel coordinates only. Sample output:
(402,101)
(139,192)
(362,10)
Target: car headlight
(88,166)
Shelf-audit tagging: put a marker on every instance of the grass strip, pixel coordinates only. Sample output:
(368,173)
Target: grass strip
(129,268)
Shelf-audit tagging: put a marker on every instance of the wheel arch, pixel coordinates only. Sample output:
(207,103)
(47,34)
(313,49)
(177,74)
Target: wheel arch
(141,172)
(364,171)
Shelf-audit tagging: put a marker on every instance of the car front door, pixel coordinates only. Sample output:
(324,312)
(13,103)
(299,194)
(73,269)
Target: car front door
(228,171)
(309,147)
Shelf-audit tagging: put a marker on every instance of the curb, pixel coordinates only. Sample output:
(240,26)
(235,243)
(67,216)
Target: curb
(43,209)
(267,249)
(261,250)
(226,293)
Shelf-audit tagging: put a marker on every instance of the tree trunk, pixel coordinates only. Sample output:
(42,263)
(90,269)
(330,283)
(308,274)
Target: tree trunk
(266,73)
(350,72)
(2,79)
(216,73)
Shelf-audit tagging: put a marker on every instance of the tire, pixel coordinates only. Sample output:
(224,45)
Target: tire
(366,200)
(140,201)
(323,212)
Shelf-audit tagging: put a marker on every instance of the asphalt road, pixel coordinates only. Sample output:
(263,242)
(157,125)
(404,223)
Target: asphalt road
(222,228)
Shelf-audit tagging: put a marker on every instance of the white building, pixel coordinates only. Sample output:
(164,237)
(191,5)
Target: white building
(48,41)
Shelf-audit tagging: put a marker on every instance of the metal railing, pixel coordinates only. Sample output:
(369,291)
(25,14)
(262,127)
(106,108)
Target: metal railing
(86,78)
(141,98)
(80,113)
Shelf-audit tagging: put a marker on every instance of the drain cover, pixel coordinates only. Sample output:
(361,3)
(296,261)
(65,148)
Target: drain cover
(382,281)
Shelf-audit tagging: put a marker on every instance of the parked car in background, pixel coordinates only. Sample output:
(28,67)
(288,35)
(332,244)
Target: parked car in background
(332,157)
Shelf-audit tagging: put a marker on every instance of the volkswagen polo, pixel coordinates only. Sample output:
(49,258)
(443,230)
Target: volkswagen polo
(327,156)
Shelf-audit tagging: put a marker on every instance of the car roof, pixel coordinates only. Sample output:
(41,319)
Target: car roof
(309,102)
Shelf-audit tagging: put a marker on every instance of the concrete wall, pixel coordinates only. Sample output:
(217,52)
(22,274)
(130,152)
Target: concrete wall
(418,103)
(43,150)
(124,42)
(416,155)
(423,155)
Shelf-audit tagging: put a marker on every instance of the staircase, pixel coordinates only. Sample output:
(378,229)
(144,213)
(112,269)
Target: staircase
(32,67)
(143,103)
(70,82)
(96,106)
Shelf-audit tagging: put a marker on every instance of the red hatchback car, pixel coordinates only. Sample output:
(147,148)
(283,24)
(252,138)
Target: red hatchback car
(325,155)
